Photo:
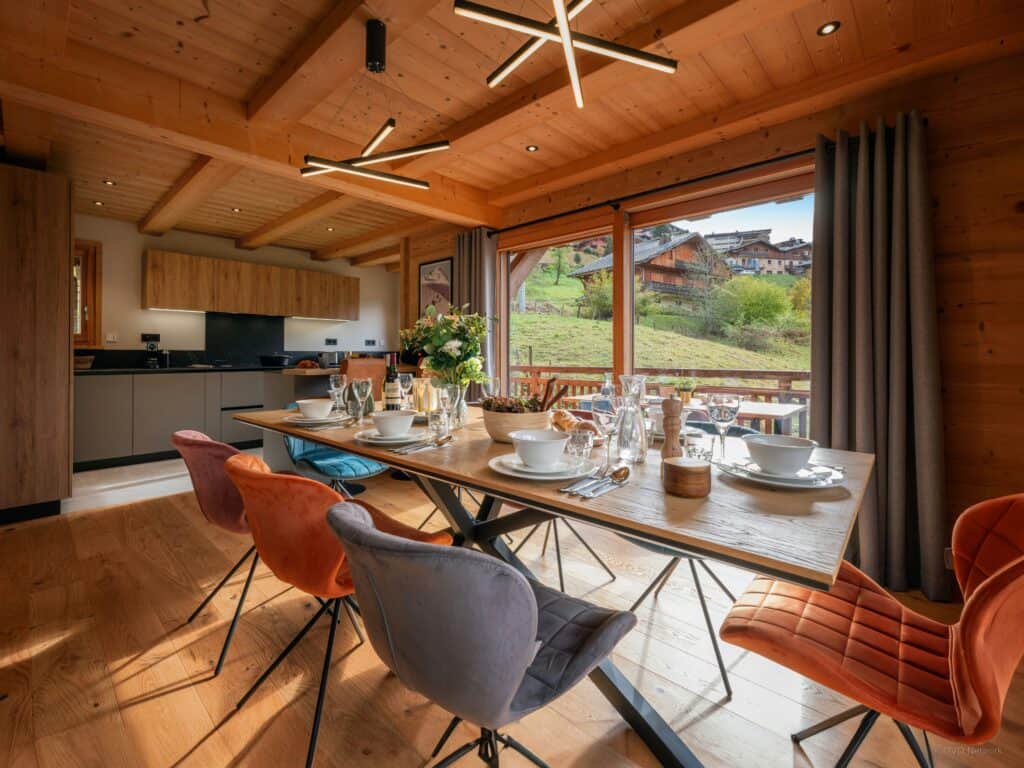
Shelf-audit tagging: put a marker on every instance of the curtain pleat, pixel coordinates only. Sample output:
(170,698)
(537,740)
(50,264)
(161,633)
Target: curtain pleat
(874,348)
(473,278)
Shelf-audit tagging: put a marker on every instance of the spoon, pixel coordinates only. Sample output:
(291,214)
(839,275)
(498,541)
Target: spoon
(434,444)
(616,477)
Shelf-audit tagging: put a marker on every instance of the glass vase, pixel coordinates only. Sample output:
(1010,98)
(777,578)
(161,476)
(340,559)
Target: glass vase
(632,434)
(459,405)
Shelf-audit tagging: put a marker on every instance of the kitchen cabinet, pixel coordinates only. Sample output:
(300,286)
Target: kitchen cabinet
(162,404)
(103,417)
(243,389)
(181,281)
(177,281)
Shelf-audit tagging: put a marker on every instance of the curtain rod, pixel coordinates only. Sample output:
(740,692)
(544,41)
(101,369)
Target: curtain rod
(616,202)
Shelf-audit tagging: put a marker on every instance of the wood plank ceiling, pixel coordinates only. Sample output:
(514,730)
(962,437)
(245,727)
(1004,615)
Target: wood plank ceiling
(260,57)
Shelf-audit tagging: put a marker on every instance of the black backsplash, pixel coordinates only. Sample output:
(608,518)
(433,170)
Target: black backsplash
(239,340)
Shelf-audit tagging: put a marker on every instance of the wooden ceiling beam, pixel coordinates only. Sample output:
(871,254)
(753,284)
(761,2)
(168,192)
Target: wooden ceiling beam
(332,54)
(685,30)
(320,207)
(97,87)
(1000,35)
(394,266)
(204,177)
(27,134)
(375,258)
(377,238)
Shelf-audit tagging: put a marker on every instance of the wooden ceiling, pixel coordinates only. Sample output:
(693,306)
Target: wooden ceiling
(196,109)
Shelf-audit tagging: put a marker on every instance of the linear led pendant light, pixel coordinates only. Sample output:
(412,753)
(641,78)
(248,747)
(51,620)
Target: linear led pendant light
(557,31)
(376,61)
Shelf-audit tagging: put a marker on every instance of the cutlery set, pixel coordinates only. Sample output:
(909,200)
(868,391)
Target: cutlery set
(422,445)
(601,481)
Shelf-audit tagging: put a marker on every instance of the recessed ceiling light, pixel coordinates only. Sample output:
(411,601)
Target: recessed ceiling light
(236,210)
(110,182)
(97,202)
(330,229)
(532,147)
(828,28)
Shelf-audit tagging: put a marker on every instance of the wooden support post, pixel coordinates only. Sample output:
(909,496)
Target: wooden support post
(622,295)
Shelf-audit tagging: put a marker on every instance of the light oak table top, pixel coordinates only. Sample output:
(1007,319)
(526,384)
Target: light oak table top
(796,535)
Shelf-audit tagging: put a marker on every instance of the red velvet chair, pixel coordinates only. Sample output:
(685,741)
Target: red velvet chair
(860,641)
(288,517)
(221,505)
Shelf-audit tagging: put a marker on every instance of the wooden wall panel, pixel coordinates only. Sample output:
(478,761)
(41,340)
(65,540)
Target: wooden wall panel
(976,151)
(431,246)
(35,346)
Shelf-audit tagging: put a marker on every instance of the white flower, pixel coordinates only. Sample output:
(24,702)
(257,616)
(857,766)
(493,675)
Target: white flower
(452,347)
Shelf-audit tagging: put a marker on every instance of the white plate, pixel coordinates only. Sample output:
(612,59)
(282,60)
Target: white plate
(817,477)
(513,462)
(301,421)
(373,437)
(570,473)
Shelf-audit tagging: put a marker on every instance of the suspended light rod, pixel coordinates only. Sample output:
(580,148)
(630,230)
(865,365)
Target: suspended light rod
(570,57)
(323,165)
(379,136)
(531,46)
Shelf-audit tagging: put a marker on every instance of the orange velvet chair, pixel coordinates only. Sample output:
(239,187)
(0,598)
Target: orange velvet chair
(860,641)
(287,515)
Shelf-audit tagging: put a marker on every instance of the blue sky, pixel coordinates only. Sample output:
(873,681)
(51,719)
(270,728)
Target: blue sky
(791,219)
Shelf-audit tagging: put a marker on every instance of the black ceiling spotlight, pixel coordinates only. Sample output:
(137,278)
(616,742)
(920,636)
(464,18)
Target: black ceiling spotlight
(376,45)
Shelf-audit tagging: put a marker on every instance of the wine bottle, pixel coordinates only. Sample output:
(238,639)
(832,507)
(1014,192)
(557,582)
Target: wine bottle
(392,389)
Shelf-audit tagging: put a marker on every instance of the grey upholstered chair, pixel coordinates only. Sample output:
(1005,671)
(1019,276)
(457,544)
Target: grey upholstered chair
(470,632)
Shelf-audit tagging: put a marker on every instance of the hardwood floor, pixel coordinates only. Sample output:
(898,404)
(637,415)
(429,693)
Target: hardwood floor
(98,669)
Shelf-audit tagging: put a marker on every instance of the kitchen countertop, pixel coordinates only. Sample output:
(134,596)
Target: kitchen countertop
(230,369)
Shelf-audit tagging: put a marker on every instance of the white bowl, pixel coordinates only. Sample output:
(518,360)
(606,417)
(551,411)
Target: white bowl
(315,409)
(539,448)
(780,454)
(393,423)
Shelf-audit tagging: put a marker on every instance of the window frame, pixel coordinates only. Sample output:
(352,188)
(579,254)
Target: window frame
(91,336)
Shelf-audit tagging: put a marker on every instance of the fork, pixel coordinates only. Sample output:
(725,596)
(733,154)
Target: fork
(594,477)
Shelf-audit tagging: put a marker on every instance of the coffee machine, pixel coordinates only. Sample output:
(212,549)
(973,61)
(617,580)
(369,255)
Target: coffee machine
(155,357)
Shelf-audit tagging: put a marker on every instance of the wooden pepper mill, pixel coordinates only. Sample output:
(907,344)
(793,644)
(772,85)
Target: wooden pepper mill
(672,424)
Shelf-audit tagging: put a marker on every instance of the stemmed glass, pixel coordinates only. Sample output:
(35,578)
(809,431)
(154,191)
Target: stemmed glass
(491,386)
(607,421)
(723,408)
(361,391)
(339,391)
(405,385)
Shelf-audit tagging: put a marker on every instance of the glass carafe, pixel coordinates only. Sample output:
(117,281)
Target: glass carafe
(632,434)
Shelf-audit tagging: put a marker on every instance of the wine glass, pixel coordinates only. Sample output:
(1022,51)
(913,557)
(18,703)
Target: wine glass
(607,421)
(405,385)
(723,408)
(339,391)
(491,386)
(361,390)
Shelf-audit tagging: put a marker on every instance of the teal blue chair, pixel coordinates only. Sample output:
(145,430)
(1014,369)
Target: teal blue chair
(338,469)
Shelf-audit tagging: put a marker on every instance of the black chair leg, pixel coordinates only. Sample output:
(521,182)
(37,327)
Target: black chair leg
(445,736)
(508,741)
(458,754)
(487,750)
(711,630)
(858,739)
(558,557)
(427,519)
(238,612)
(830,722)
(908,735)
(223,581)
(288,649)
(350,610)
(526,538)
(323,683)
(589,549)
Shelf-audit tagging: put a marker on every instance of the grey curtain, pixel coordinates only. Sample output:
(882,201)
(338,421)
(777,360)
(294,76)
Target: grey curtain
(875,379)
(473,281)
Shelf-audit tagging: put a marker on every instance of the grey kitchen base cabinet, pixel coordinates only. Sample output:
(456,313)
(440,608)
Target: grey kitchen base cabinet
(103,417)
(163,404)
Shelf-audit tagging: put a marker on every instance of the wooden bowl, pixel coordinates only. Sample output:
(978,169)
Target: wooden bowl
(499,425)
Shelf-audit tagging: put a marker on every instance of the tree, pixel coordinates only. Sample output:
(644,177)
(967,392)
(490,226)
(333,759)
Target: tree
(800,295)
(597,295)
(560,254)
(746,301)
(644,301)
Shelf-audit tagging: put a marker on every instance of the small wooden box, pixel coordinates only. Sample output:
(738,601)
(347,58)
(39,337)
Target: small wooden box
(686,477)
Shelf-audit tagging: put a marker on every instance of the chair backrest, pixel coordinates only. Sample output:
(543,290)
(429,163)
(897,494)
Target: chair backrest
(218,498)
(374,368)
(288,518)
(455,625)
(988,641)
(296,446)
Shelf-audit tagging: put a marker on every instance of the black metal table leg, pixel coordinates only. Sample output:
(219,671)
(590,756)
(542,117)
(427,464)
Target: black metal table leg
(651,727)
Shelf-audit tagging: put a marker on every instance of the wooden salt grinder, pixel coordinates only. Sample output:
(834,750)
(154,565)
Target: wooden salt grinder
(672,424)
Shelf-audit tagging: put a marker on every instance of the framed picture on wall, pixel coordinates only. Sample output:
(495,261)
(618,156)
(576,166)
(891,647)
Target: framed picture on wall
(436,285)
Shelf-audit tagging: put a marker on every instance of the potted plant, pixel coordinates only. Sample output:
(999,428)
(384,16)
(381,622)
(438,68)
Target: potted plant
(452,343)
(685,388)
(503,415)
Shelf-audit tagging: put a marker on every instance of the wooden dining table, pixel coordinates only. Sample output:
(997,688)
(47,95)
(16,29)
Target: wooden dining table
(799,536)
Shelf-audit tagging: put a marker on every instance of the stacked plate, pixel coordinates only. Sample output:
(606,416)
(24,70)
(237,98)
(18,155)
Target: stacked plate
(304,421)
(373,437)
(812,476)
(564,469)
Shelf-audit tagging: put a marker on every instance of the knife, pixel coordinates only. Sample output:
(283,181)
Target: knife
(611,485)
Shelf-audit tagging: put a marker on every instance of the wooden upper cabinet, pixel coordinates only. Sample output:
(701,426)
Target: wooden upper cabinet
(177,281)
(180,281)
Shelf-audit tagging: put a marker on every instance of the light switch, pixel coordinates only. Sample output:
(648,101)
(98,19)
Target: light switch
(112,338)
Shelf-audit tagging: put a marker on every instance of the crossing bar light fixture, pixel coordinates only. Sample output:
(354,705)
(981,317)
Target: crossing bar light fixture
(320,165)
(570,57)
(400,154)
(382,133)
(531,46)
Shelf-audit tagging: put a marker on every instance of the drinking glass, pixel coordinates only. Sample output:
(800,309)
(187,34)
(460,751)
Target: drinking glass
(339,391)
(361,390)
(491,386)
(581,443)
(607,421)
(437,423)
(405,385)
(723,408)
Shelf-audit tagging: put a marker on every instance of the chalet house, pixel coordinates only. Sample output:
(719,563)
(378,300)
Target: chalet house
(680,265)
(752,252)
